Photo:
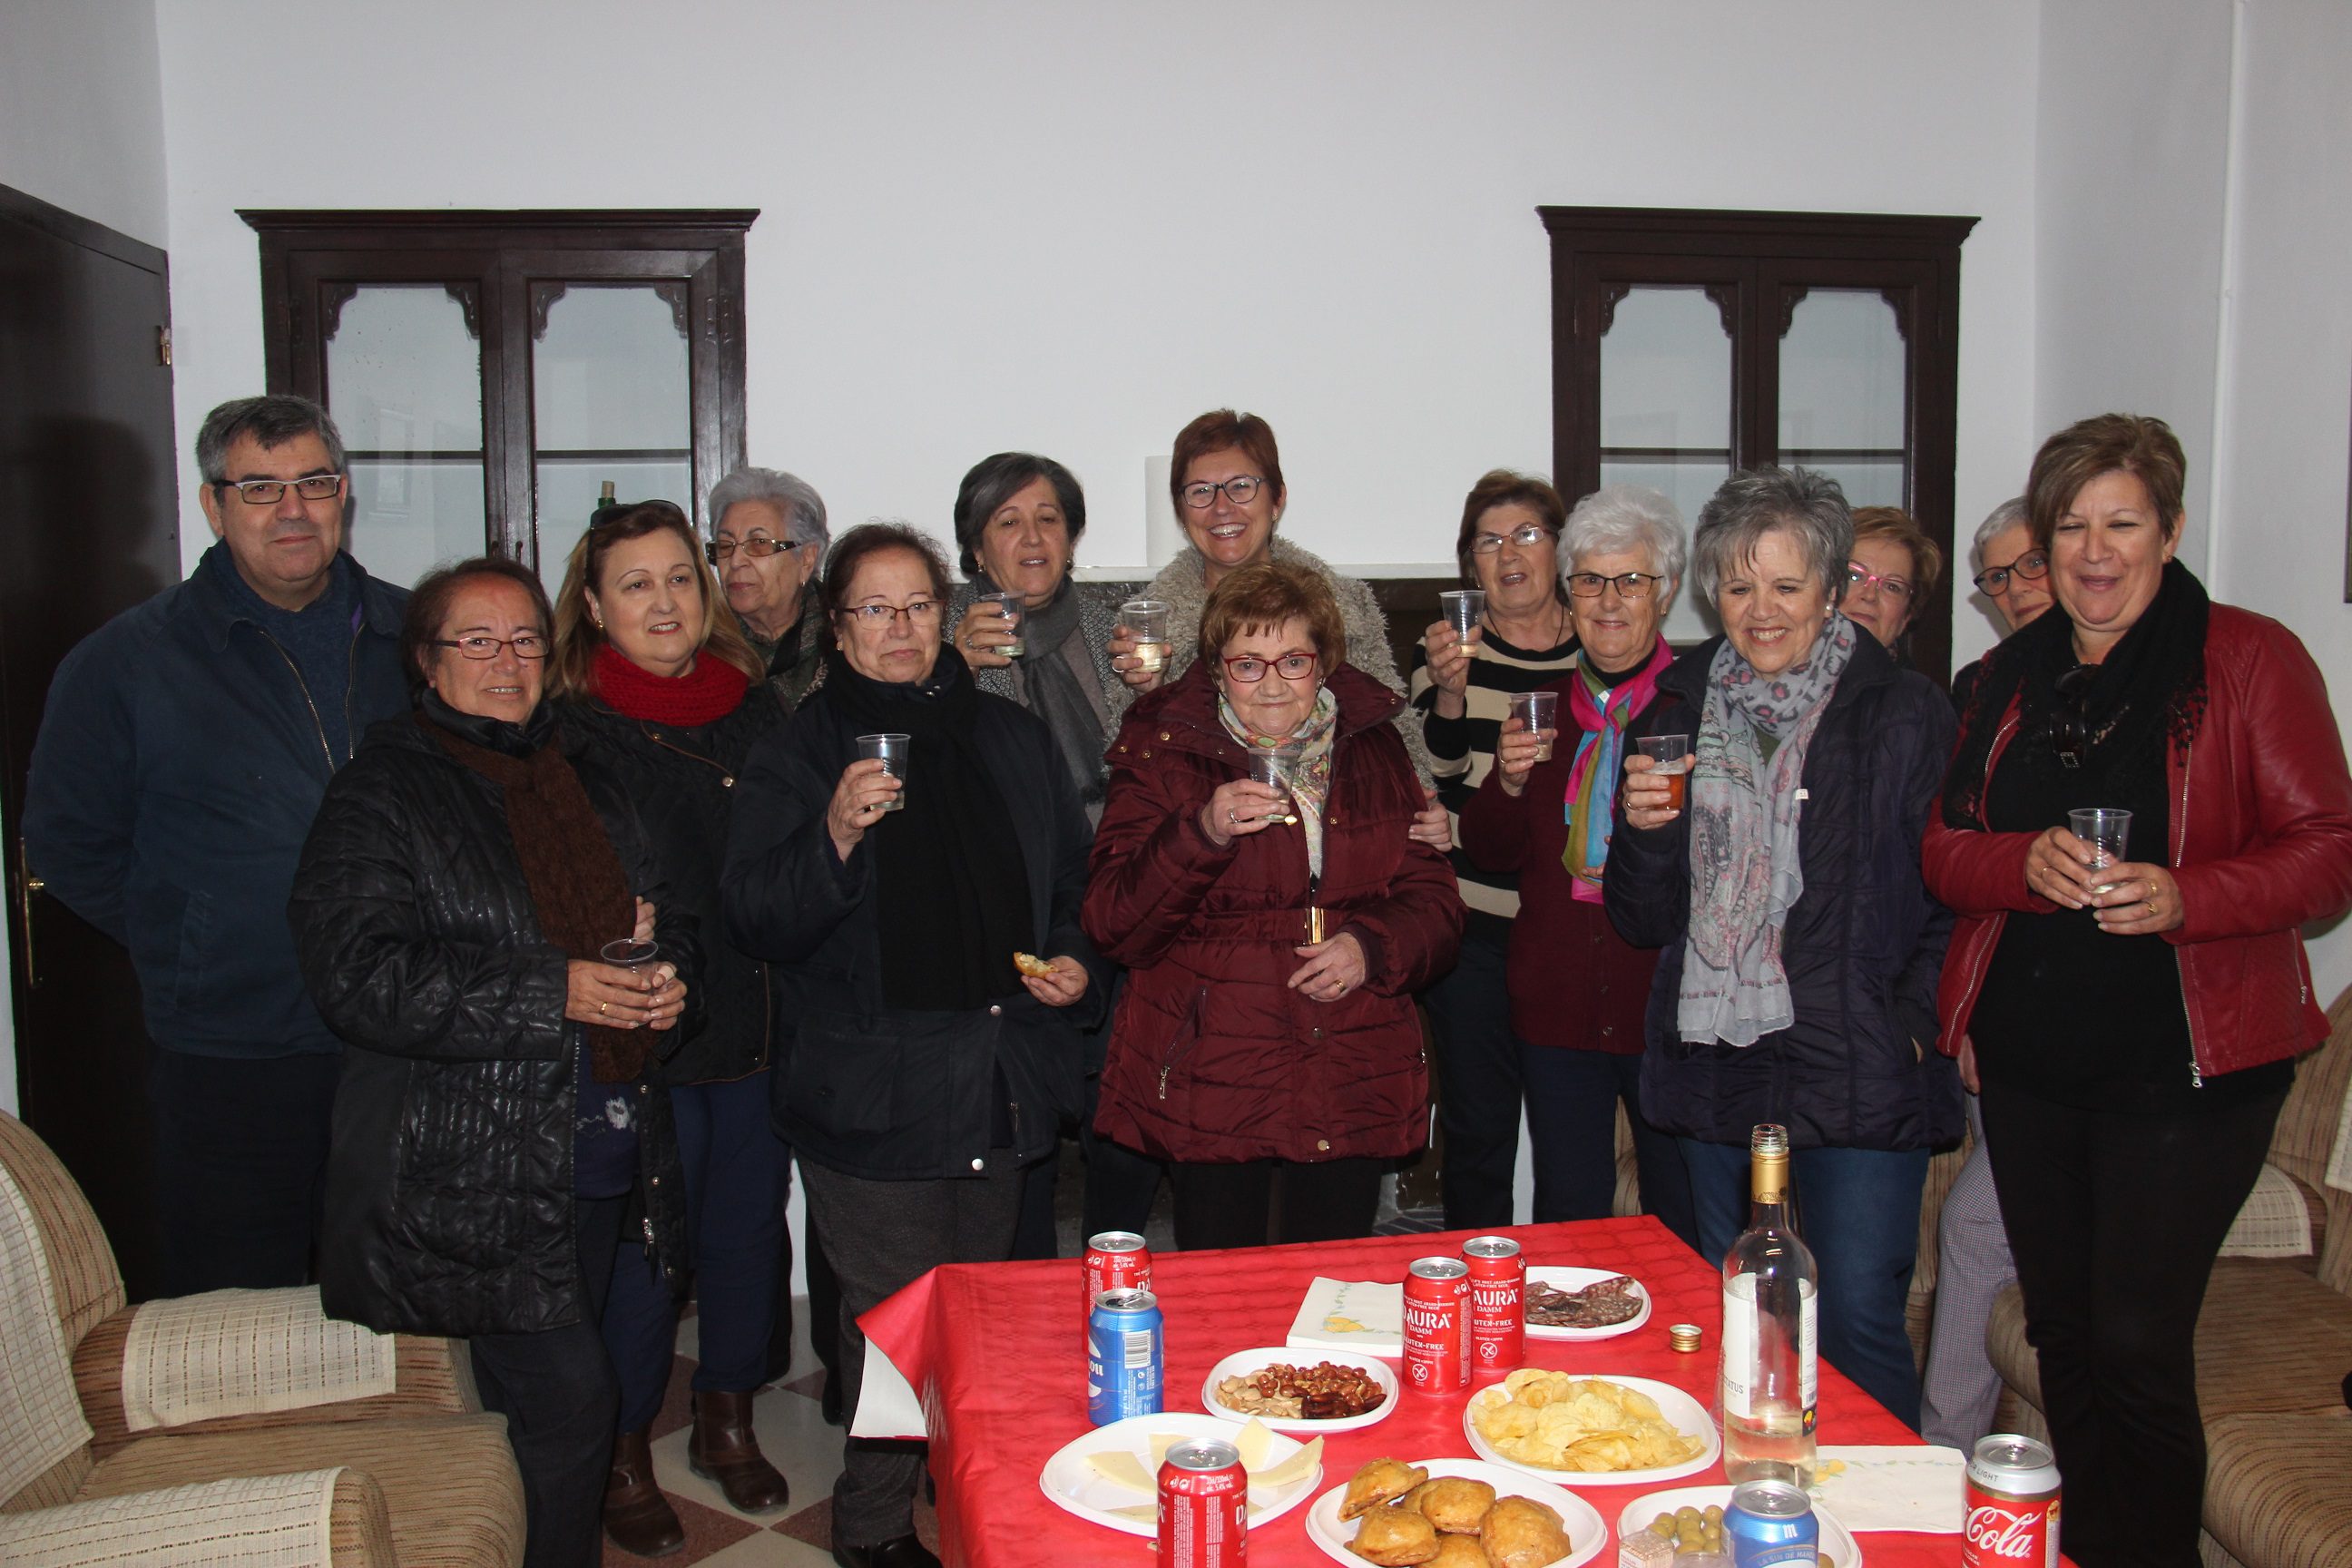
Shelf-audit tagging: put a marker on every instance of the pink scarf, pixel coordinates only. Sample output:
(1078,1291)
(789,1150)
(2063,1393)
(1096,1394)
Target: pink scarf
(1602,715)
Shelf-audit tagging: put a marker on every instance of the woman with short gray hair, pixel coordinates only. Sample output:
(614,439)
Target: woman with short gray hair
(1797,983)
(766,545)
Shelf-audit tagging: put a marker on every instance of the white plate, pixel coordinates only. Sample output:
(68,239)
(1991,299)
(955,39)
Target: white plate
(1587,1535)
(1836,1543)
(1075,1485)
(1562,1279)
(1243,1362)
(1687,1415)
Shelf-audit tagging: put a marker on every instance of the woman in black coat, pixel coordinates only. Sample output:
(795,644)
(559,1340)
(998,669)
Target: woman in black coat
(927,1069)
(498,1110)
(1801,949)
(652,677)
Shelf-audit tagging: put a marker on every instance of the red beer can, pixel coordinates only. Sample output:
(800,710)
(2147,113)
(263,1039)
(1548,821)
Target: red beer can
(1498,1303)
(2012,1519)
(1437,1326)
(1114,1260)
(1203,1506)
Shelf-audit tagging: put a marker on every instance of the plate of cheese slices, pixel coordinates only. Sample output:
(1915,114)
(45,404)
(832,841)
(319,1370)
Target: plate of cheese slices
(1111,1475)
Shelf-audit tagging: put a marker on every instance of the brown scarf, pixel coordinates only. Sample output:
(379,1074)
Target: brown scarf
(578,888)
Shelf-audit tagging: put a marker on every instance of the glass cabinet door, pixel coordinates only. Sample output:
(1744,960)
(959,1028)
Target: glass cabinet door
(1666,405)
(403,381)
(610,401)
(1843,377)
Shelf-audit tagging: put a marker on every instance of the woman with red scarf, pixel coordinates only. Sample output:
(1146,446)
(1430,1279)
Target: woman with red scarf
(1577,988)
(656,682)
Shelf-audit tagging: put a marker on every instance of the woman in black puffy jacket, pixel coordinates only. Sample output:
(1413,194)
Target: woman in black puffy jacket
(498,1112)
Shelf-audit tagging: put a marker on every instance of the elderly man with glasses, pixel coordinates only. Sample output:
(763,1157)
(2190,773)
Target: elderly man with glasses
(182,753)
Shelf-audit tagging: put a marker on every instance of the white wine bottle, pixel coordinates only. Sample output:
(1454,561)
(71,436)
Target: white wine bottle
(1771,1299)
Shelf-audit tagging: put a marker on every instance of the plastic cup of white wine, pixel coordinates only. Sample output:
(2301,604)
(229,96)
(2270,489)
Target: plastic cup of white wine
(891,749)
(1271,766)
(2106,829)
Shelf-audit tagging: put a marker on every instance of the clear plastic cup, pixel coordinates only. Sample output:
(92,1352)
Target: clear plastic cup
(628,953)
(1272,766)
(1669,753)
(1462,607)
(1015,611)
(1146,621)
(891,748)
(2106,828)
(1538,710)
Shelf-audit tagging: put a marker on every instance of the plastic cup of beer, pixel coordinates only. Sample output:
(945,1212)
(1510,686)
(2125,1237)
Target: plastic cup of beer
(1462,607)
(1272,766)
(1146,623)
(628,953)
(1536,712)
(1015,609)
(2106,828)
(891,748)
(1669,751)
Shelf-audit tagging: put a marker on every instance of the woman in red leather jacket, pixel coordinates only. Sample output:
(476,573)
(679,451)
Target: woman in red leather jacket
(1247,1052)
(2134,1023)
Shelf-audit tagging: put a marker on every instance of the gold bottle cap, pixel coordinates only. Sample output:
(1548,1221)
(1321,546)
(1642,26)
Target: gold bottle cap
(1684,1337)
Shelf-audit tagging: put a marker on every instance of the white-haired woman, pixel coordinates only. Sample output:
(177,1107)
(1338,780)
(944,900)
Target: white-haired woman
(766,546)
(1801,949)
(1575,989)
(1508,547)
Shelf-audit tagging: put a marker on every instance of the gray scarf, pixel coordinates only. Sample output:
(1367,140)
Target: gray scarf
(1055,678)
(1744,869)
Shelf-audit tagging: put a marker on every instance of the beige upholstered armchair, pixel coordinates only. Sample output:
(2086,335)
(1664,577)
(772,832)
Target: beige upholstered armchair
(236,1426)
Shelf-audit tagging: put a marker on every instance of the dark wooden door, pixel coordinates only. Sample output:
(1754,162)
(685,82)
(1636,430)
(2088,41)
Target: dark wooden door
(88,526)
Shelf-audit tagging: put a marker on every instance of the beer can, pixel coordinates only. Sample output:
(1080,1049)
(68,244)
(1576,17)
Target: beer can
(1114,1260)
(2013,1505)
(1203,1506)
(1770,1523)
(1125,1356)
(1498,1303)
(1437,1342)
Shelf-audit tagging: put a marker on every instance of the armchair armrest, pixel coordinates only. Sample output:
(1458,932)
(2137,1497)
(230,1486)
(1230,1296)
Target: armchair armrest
(335,1517)
(241,1359)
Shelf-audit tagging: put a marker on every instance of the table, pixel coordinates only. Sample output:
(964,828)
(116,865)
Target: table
(995,1353)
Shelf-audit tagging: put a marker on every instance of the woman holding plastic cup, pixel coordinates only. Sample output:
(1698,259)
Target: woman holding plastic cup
(1797,980)
(1507,630)
(2134,1022)
(1575,989)
(1267,1045)
(928,1066)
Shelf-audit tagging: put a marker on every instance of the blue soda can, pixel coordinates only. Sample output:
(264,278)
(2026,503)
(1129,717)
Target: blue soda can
(1770,1523)
(1125,1356)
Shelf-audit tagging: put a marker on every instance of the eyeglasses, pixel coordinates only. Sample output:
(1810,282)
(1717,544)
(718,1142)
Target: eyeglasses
(1528,534)
(2070,726)
(921,613)
(530,645)
(759,548)
(1858,577)
(269,492)
(2033,565)
(1241,489)
(1249,669)
(1629,585)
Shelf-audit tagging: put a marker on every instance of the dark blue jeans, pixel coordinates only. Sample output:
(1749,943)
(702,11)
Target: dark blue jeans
(1478,1086)
(1573,1122)
(1858,1209)
(737,1174)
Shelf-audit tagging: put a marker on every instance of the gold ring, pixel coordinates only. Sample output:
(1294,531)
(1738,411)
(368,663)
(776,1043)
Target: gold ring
(602,1008)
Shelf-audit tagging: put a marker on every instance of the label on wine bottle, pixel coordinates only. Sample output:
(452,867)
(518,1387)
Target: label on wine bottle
(1748,1370)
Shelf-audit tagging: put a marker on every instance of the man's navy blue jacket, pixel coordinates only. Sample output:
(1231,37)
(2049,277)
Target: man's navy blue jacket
(180,761)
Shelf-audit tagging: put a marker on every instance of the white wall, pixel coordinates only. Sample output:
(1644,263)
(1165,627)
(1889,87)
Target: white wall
(1069,226)
(2287,381)
(81,109)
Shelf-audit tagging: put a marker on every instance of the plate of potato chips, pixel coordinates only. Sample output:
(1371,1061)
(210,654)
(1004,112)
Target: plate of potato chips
(1453,1513)
(1602,1431)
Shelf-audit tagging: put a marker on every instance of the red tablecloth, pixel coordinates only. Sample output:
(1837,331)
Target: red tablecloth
(995,1352)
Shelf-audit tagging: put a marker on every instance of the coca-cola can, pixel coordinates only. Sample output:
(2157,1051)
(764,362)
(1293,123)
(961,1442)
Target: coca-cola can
(1114,1260)
(1203,1506)
(2013,1505)
(1498,1303)
(1438,1341)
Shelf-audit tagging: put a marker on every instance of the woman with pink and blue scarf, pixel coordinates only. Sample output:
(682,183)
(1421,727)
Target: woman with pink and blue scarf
(1801,949)
(1577,988)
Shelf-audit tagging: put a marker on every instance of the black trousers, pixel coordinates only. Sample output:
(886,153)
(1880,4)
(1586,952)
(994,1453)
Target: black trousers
(2115,1221)
(240,1161)
(882,1236)
(1260,1200)
(1480,1085)
(557,1390)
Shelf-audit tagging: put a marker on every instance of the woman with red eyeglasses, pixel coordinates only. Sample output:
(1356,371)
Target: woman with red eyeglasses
(2133,1018)
(1274,933)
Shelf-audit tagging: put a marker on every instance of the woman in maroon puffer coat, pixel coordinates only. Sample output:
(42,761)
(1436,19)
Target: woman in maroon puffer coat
(1248,1056)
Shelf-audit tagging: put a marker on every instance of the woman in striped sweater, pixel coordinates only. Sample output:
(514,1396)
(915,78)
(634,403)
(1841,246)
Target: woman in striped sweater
(1508,546)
